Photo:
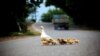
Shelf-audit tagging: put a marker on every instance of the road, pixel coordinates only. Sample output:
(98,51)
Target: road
(89,44)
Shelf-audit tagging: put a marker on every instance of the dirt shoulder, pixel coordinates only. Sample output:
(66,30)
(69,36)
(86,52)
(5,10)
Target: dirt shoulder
(34,32)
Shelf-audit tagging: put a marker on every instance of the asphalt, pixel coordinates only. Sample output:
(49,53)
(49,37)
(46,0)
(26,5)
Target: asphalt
(89,44)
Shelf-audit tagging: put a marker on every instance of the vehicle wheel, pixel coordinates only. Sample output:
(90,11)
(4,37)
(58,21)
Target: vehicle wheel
(55,27)
(66,28)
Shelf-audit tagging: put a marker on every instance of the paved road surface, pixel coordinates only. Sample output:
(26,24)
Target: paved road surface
(89,44)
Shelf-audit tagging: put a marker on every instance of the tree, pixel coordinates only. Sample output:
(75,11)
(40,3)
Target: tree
(47,17)
(83,12)
(13,11)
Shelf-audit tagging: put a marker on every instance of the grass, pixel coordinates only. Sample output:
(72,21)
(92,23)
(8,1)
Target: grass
(29,32)
(16,35)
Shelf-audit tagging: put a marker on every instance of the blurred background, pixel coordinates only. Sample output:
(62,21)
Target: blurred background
(21,20)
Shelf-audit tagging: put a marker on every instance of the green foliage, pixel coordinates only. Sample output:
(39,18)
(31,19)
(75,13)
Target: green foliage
(24,33)
(83,12)
(15,11)
(33,20)
(56,11)
(36,2)
(56,3)
(47,17)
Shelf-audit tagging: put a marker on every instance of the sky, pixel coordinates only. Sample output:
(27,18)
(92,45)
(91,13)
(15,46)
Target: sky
(40,10)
